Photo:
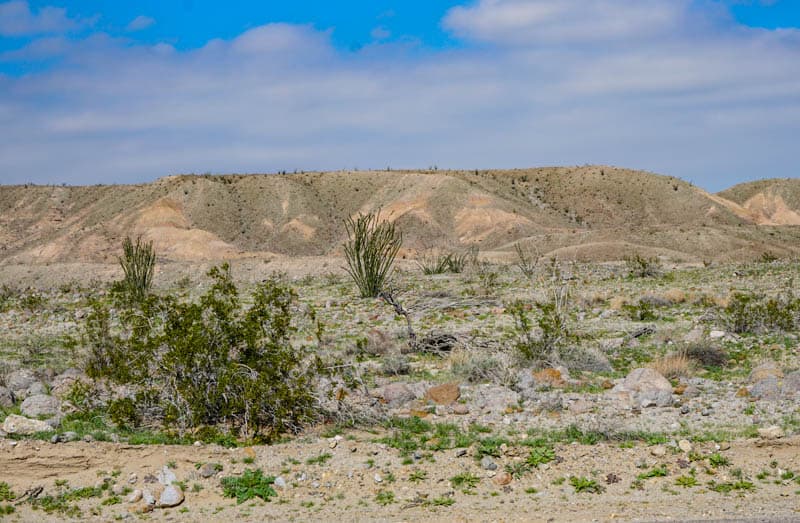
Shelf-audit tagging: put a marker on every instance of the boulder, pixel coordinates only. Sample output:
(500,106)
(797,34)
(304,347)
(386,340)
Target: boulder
(20,381)
(63,383)
(766,389)
(40,405)
(766,370)
(494,398)
(646,387)
(395,394)
(171,496)
(444,394)
(6,397)
(23,426)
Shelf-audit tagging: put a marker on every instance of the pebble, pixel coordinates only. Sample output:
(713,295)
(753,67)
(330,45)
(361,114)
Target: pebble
(378,478)
(488,463)
(280,482)
(460,453)
(134,496)
(658,451)
(773,432)
(685,445)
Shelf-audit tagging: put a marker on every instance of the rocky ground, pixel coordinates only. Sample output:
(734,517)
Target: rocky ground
(655,409)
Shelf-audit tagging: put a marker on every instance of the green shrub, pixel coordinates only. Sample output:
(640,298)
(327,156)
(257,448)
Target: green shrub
(138,262)
(641,267)
(552,323)
(370,252)
(252,483)
(749,313)
(210,362)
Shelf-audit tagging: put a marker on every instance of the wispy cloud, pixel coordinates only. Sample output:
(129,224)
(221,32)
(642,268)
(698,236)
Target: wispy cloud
(140,23)
(541,82)
(17,19)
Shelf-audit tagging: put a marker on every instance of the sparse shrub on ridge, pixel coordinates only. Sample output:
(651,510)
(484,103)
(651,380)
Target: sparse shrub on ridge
(641,267)
(370,252)
(207,363)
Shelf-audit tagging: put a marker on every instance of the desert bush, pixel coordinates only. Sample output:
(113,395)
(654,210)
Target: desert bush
(641,267)
(642,311)
(749,313)
(444,262)
(138,261)
(707,355)
(370,252)
(207,362)
(675,365)
(542,346)
(478,367)
(526,260)
(395,365)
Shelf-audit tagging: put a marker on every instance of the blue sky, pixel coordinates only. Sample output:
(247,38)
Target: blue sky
(105,92)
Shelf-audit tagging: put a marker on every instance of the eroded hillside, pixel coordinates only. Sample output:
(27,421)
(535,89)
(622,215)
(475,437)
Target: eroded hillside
(588,212)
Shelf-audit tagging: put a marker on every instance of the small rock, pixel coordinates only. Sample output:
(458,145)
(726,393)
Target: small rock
(395,394)
(684,409)
(21,425)
(716,334)
(549,377)
(280,482)
(461,409)
(249,452)
(488,463)
(171,496)
(377,478)
(19,381)
(503,478)
(648,387)
(460,453)
(134,496)
(133,478)
(6,398)
(209,470)
(658,451)
(117,489)
(773,432)
(766,370)
(40,405)
(148,497)
(166,476)
(444,394)
(685,446)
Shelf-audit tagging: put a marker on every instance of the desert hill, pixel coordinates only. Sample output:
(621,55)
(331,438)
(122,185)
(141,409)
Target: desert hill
(590,212)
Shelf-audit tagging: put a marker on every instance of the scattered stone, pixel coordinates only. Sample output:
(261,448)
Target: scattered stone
(695,335)
(685,446)
(6,398)
(377,477)
(134,496)
(166,476)
(40,405)
(460,453)
(19,381)
(612,478)
(23,426)
(684,409)
(395,394)
(209,470)
(280,482)
(658,451)
(680,389)
(148,497)
(488,463)
(133,478)
(716,334)
(171,496)
(461,409)
(332,444)
(742,393)
(249,452)
(444,394)
(607,384)
(766,370)
(117,489)
(773,432)
(549,377)
(503,478)
(767,388)
(581,407)
(647,387)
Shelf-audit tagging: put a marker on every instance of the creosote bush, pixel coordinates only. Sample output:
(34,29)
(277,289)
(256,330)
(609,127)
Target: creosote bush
(642,267)
(370,252)
(749,313)
(206,363)
(543,346)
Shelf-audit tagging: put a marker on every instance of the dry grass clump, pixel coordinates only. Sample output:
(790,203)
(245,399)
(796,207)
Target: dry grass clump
(674,365)
(618,302)
(675,296)
(479,367)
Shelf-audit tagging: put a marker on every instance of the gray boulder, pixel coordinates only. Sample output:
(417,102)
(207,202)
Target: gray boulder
(646,387)
(20,381)
(40,405)
(395,394)
(6,397)
(21,425)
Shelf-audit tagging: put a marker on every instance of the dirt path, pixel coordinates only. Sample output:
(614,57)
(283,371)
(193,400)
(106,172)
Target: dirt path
(344,487)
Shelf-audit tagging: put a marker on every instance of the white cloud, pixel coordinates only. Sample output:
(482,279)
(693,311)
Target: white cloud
(17,19)
(711,106)
(140,23)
